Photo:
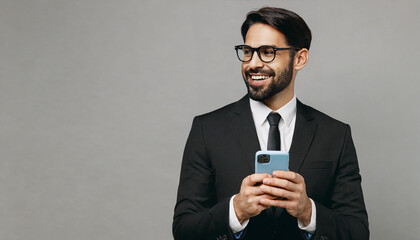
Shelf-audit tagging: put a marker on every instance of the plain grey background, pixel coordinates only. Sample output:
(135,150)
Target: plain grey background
(97,99)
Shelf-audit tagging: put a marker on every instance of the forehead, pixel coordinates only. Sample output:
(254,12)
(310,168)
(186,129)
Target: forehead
(262,34)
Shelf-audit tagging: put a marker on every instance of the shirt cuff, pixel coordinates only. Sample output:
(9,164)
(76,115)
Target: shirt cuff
(311,228)
(234,223)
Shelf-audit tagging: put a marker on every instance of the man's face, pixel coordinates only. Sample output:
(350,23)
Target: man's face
(264,80)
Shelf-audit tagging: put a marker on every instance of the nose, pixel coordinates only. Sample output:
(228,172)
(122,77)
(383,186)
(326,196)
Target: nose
(255,61)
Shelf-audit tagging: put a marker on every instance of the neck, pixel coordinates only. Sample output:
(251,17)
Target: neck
(280,99)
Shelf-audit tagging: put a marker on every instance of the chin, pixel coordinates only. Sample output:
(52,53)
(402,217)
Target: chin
(258,93)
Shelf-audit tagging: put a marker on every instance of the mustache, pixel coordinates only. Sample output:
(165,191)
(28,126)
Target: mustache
(259,71)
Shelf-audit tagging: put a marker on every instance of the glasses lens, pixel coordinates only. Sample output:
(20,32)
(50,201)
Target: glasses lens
(267,53)
(244,53)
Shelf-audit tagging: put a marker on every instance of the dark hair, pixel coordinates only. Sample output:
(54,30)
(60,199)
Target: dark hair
(293,27)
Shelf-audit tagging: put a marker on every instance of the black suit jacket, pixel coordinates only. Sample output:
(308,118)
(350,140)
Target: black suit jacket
(220,153)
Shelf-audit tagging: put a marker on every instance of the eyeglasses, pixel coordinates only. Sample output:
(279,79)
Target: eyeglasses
(265,53)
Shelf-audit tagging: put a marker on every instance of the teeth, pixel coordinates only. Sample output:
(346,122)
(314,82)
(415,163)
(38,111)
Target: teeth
(259,77)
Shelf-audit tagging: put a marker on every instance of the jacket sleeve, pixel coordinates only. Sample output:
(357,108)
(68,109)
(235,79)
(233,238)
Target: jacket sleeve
(345,218)
(197,213)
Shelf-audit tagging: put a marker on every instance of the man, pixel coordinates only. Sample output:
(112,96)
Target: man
(220,196)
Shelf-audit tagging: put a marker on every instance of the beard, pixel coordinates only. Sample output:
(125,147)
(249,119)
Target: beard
(279,82)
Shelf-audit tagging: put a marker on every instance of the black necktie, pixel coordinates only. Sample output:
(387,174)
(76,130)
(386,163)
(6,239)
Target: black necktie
(274,133)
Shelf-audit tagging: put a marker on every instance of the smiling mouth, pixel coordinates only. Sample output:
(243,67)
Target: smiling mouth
(259,77)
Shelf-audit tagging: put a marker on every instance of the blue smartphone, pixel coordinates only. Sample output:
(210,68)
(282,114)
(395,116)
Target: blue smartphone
(270,161)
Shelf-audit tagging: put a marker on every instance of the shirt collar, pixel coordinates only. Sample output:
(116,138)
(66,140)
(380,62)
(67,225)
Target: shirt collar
(260,111)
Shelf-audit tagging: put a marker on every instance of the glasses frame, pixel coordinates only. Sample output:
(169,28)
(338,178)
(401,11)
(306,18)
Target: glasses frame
(239,47)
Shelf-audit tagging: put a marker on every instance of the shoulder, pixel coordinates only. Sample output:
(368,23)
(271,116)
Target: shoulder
(329,133)
(321,118)
(239,107)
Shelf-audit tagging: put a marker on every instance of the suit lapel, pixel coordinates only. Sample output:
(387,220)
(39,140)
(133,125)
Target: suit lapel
(244,127)
(303,135)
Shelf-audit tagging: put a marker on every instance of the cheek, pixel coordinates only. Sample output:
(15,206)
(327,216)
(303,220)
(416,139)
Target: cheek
(243,68)
(275,68)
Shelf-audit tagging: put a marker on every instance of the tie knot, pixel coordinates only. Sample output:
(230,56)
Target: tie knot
(274,119)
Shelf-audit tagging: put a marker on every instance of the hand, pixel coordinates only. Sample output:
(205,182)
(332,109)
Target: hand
(247,202)
(291,189)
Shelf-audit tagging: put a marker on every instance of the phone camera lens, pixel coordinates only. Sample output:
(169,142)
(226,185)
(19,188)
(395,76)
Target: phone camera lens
(263,158)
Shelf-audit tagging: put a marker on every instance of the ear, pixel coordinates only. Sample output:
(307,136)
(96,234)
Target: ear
(301,58)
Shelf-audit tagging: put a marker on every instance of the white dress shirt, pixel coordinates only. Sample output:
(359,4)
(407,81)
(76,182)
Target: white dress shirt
(286,127)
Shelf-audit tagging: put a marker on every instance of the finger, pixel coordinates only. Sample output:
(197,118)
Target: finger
(255,201)
(253,179)
(280,183)
(253,191)
(264,196)
(267,196)
(275,203)
(289,175)
(279,192)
